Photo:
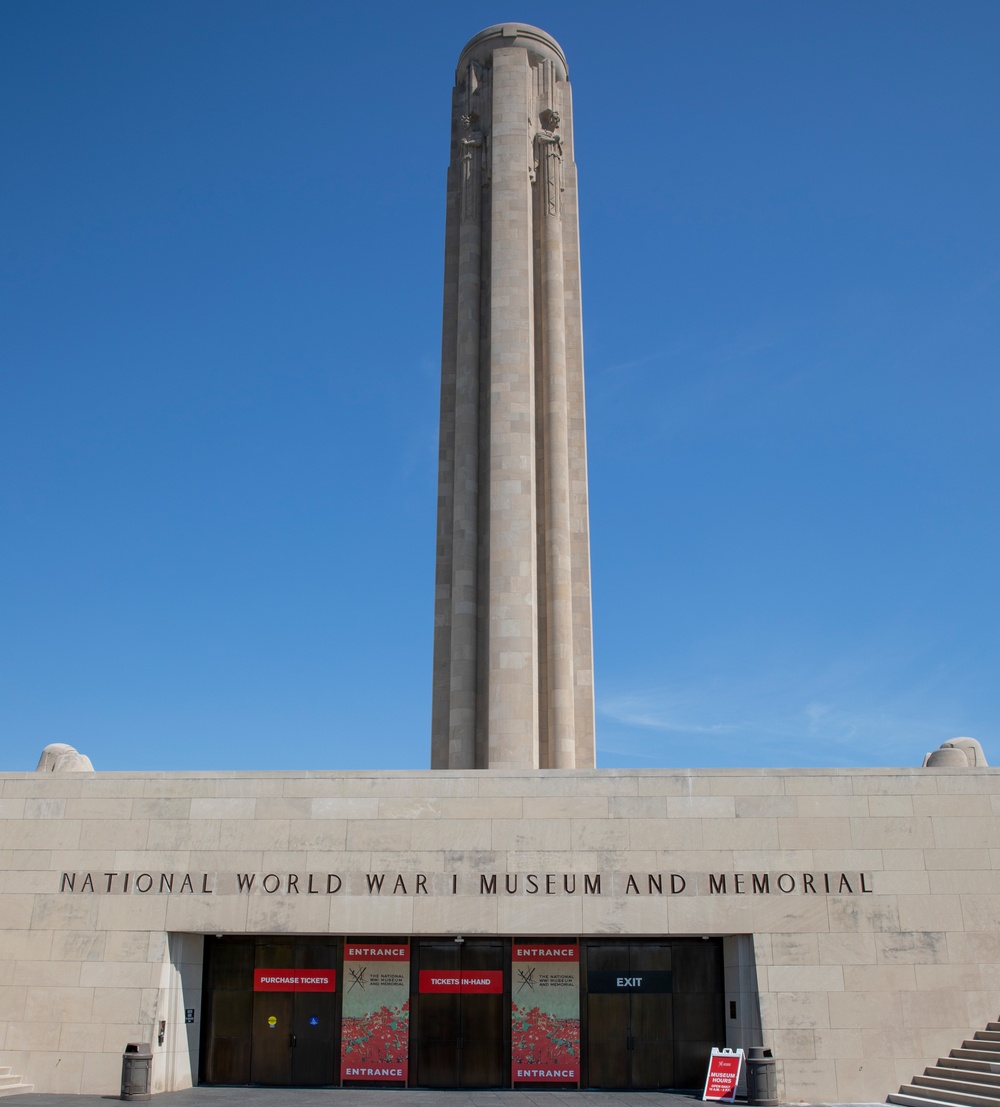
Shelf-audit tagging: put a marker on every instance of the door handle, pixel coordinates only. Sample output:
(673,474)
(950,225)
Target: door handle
(292,1040)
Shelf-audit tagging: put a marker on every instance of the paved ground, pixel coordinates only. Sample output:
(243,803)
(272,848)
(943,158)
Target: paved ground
(349,1097)
(402,1097)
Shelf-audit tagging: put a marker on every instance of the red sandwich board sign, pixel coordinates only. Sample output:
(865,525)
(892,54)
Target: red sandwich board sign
(723,1075)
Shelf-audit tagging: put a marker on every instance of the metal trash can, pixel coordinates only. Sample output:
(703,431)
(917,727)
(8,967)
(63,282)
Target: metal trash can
(762,1077)
(137,1065)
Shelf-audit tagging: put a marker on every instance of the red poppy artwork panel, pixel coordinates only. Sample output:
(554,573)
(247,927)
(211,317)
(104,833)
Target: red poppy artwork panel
(545,1013)
(375,1027)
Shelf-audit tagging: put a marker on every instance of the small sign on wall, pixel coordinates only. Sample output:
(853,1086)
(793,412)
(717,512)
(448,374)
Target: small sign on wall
(723,1075)
(189,1014)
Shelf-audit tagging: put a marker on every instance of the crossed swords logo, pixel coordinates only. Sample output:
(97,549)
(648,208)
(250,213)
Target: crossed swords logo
(527,980)
(357,978)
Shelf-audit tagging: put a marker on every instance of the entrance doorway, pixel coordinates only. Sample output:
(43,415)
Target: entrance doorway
(650,1011)
(461,1019)
(271,1011)
(654,1010)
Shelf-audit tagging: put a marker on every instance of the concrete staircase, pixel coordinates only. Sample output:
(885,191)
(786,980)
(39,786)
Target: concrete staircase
(967,1077)
(11,1084)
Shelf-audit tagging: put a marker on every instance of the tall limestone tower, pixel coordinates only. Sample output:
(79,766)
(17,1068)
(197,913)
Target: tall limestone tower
(513,655)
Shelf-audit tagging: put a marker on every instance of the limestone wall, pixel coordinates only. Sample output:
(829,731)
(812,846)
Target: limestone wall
(860,986)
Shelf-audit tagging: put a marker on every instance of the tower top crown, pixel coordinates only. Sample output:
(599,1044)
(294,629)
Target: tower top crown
(532,39)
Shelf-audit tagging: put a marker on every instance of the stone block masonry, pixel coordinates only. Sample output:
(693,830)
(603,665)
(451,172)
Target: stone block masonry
(513,680)
(858,907)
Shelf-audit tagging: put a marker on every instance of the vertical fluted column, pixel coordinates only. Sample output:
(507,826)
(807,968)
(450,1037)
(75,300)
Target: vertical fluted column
(512,602)
(441,702)
(465,534)
(583,659)
(558,567)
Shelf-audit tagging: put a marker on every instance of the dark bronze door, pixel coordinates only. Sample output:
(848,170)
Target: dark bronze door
(629,1015)
(485,1021)
(283,1038)
(655,1008)
(228,1011)
(436,1019)
(699,1009)
(272,1035)
(315,1025)
(652,1013)
(460,1037)
(295,1035)
(608,1017)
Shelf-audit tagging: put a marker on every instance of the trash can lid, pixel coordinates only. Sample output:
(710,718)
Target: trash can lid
(139,1047)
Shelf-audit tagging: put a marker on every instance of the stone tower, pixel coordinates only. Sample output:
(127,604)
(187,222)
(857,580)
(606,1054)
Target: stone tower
(513,655)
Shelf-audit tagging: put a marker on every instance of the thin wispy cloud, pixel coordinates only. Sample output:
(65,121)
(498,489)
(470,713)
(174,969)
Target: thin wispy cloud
(834,714)
(623,712)
(707,386)
(670,353)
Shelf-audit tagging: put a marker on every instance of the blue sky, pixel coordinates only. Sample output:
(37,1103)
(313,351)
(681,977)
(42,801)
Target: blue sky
(219,337)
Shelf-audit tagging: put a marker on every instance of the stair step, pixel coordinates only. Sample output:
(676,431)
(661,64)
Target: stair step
(907,1100)
(16,1089)
(954,1062)
(967,1077)
(948,1095)
(964,1087)
(977,1076)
